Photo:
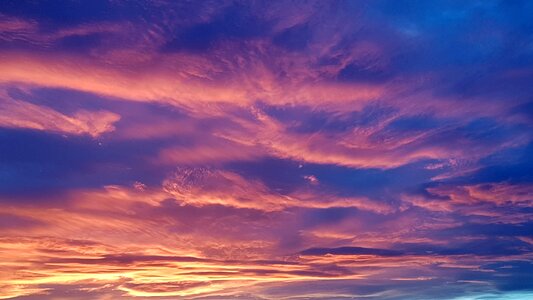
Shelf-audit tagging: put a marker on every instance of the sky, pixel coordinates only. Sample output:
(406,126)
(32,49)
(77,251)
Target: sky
(266,149)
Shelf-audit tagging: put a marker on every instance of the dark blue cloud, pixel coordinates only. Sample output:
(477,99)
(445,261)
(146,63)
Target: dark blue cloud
(350,251)
(493,229)
(492,246)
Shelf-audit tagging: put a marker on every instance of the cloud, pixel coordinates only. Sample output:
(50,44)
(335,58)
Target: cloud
(485,199)
(497,193)
(118,224)
(265,150)
(19,114)
(202,186)
(211,151)
(165,86)
(350,251)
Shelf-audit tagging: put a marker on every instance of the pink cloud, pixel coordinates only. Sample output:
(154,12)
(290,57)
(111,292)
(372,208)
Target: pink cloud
(20,114)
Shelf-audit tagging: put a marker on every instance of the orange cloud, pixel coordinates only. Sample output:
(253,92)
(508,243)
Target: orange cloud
(19,114)
(486,200)
(352,149)
(134,243)
(212,152)
(201,186)
(497,193)
(168,86)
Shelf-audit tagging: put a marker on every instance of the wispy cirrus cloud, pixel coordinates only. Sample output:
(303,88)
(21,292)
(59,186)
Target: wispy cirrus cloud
(20,114)
(259,150)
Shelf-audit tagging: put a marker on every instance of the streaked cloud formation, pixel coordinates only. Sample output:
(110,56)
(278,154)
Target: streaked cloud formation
(266,150)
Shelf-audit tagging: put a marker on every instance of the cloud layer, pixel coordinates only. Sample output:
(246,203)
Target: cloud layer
(266,150)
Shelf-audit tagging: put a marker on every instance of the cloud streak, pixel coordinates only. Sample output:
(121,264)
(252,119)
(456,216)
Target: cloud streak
(259,150)
(19,114)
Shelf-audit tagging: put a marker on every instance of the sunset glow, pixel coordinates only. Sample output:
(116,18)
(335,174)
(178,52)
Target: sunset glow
(266,149)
